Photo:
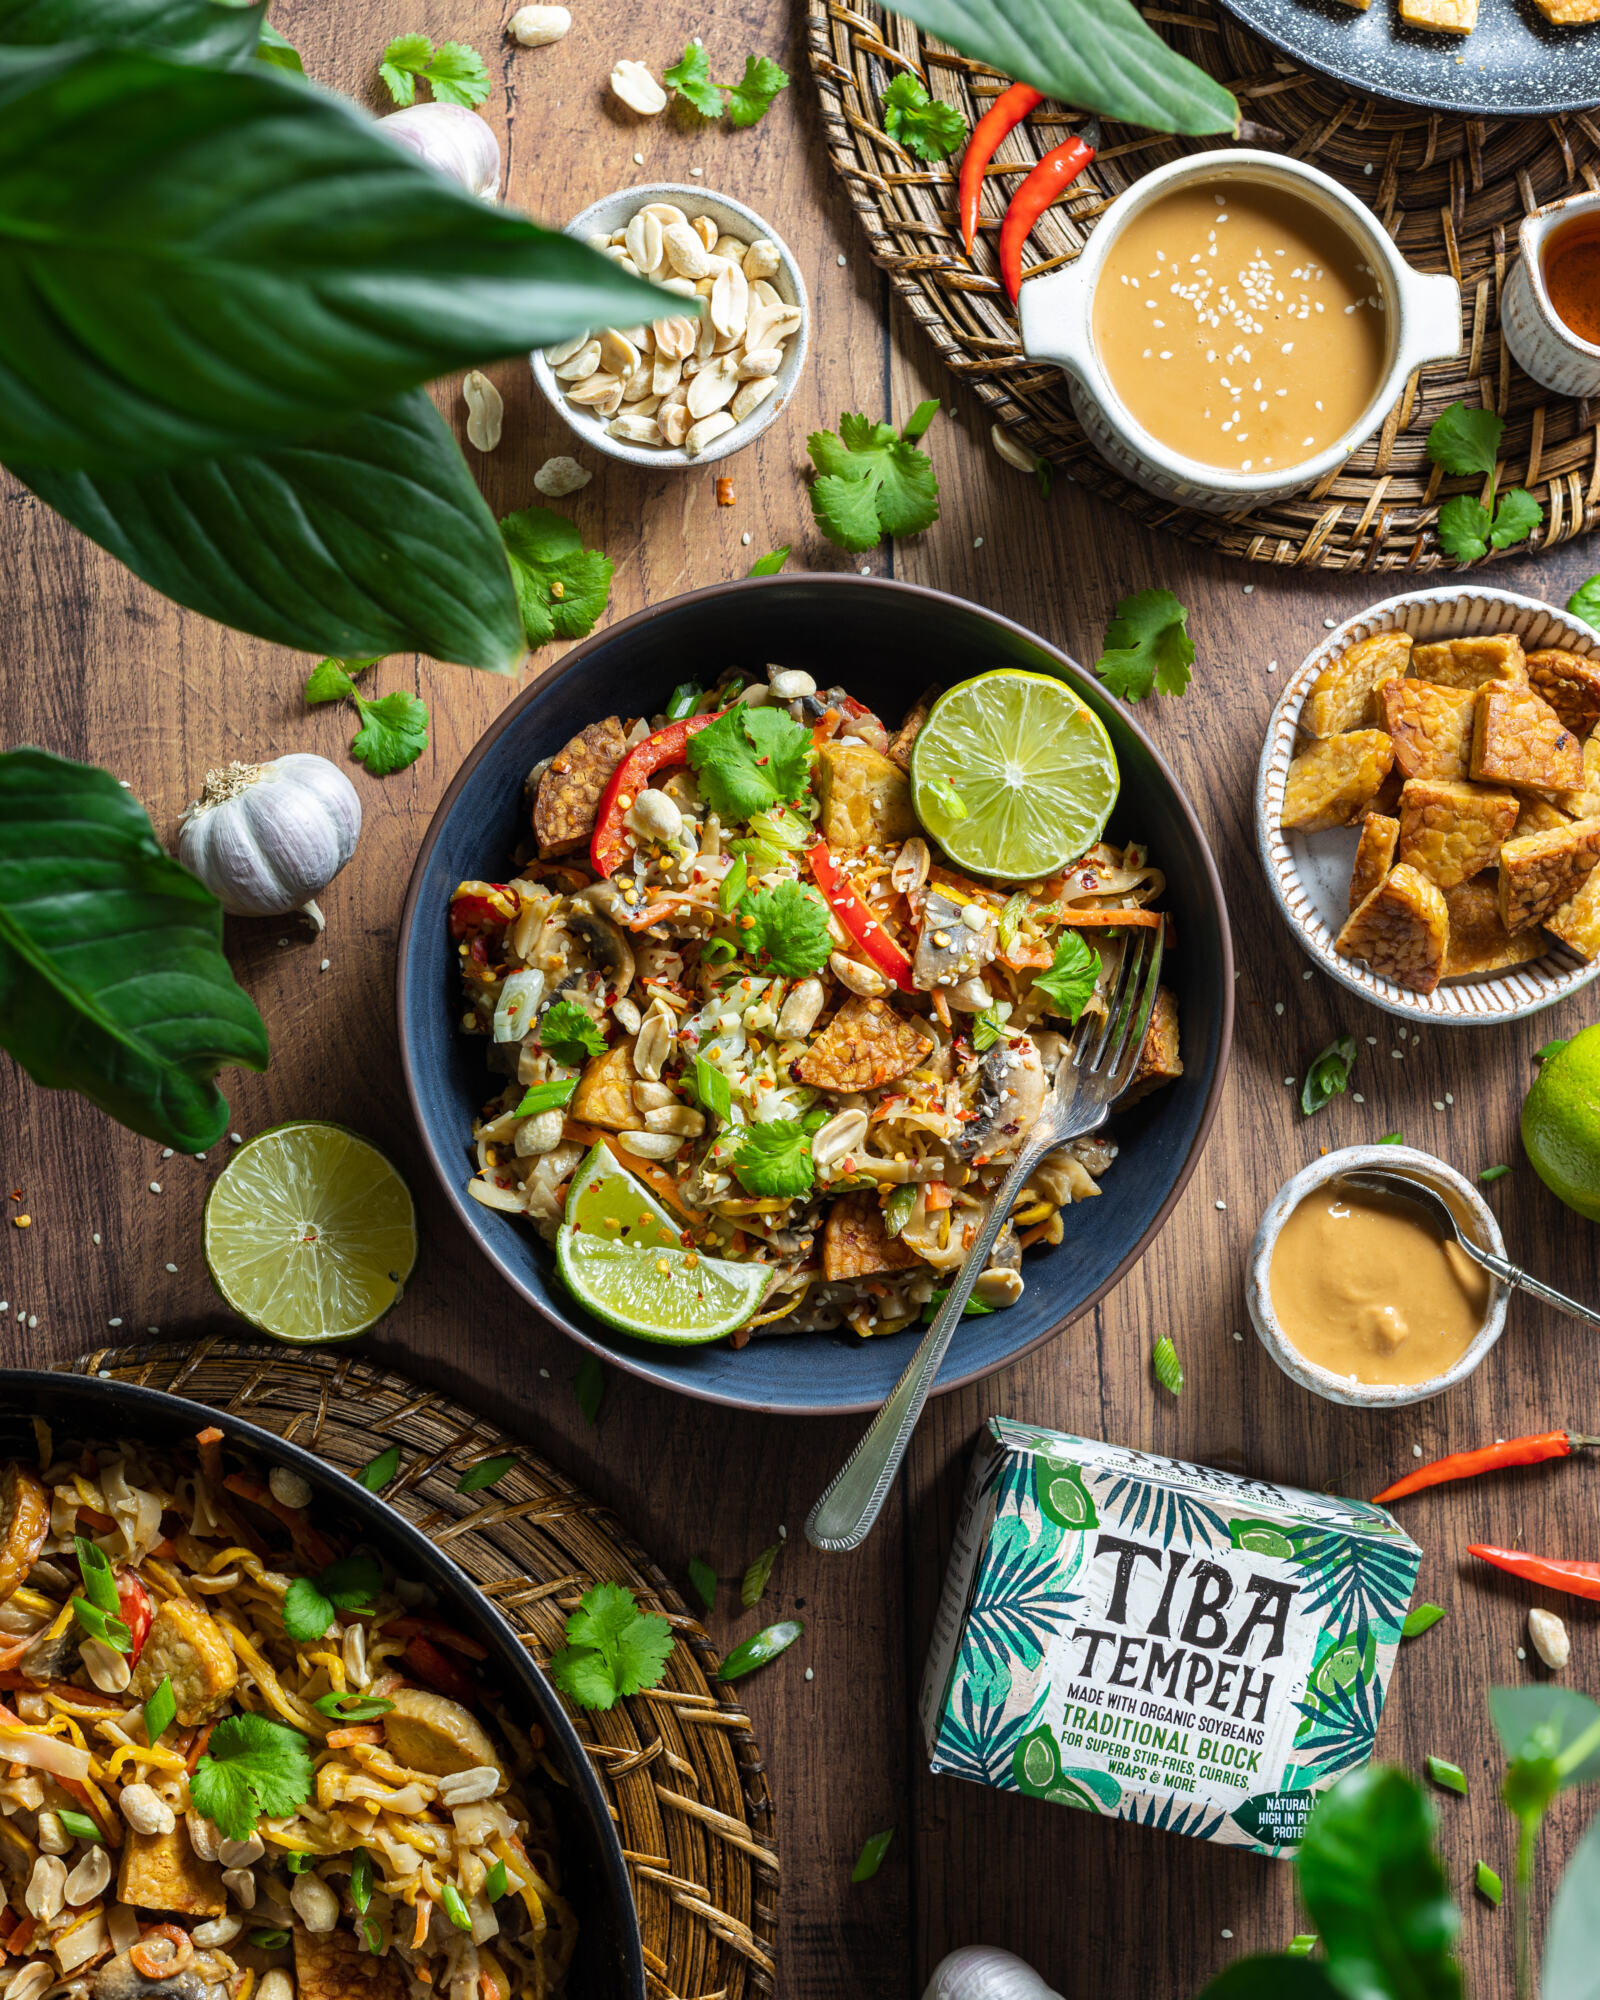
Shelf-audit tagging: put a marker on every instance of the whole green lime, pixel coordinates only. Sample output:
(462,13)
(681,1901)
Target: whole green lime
(1561,1122)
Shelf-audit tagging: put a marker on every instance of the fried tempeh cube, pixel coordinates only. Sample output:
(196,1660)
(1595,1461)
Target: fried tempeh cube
(1584,801)
(186,1646)
(1330,782)
(865,1044)
(1159,1061)
(1479,942)
(161,1871)
(1538,816)
(1453,831)
(1517,739)
(1374,854)
(1570,684)
(568,797)
(604,1095)
(1400,930)
(856,1241)
(1577,923)
(1471,663)
(334,1965)
(866,797)
(1430,727)
(1569,13)
(1342,695)
(1543,871)
(1444,17)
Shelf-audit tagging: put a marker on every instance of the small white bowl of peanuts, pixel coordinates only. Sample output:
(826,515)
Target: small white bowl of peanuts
(682,392)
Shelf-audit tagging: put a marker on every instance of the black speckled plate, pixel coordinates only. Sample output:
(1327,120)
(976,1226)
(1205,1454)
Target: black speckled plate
(1514,64)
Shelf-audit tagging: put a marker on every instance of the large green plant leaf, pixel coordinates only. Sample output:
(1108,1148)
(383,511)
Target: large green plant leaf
(1098,54)
(112,978)
(196,261)
(1274,1978)
(1571,1969)
(369,538)
(198,31)
(1376,1892)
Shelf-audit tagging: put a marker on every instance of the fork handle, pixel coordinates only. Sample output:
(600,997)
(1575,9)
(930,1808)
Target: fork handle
(851,1502)
(1513,1274)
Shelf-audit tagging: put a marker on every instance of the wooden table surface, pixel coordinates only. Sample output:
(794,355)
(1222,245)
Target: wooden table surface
(95,666)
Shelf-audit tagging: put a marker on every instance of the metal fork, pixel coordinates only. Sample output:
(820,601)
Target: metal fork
(1097,1065)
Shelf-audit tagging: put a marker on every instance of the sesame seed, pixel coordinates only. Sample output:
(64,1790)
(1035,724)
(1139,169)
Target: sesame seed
(638,159)
(1222,1204)
(783,1532)
(1372,1041)
(113,1322)
(96,1237)
(1438,1104)
(172,1267)
(744,539)
(1521,1655)
(696,172)
(166,1152)
(544,1374)
(1227,1934)
(33,1318)
(1309,972)
(977,541)
(1288,1083)
(1398,1054)
(325,964)
(1448,1098)
(1416,1451)
(1249,590)
(1277,1006)
(841,261)
(1357,1097)
(866,569)
(236,1138)
(810,1676)
(155,1187)
(1329,623)
(1272,666)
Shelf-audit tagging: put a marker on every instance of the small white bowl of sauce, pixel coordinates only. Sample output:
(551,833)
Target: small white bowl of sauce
(1355,1296)
(1236,326)
(1550,314)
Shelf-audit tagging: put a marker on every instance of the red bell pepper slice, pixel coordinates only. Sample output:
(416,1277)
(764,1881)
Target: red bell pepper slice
(481,905)
(864,928)
(607,849)
(133,1607)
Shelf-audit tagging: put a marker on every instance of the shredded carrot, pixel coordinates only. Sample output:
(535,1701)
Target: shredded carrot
(22,1936)
(419,1932)
(357,1732)
(1086,919)
(936,1195)
(210,1442)
(197,1749)
(583,1135)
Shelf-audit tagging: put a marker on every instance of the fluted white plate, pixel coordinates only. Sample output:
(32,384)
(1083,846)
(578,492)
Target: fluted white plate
(1310,873)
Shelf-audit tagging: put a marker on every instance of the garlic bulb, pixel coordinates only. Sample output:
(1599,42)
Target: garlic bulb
(985,1972)
(267,838)
(451,138)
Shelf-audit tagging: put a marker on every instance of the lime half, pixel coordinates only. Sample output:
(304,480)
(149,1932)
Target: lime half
(1262,1540)
(1013,775)
(310,1233)
(1339,1670)
(621,1256)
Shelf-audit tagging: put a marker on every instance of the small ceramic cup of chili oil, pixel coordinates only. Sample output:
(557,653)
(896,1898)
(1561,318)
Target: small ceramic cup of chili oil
(1551,311)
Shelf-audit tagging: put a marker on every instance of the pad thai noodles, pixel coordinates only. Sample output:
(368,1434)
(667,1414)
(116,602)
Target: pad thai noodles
(730,952)
(243,1761)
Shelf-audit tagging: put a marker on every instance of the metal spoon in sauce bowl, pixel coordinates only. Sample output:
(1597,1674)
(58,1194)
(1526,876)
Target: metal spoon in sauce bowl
(1443,1217)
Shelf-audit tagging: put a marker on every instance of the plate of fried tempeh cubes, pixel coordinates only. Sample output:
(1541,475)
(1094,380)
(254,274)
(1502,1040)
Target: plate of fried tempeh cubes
(1428,804)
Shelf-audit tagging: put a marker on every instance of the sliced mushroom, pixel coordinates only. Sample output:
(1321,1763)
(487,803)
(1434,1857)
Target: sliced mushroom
(609,949)
(120,1979)
(1010,1097)
(949,949)
(429,1732)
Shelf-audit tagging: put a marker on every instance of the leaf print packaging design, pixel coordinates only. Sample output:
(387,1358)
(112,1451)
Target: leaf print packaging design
(1160,1642)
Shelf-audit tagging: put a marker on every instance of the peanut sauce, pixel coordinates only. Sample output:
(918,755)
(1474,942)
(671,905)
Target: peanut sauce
(1572,276)
(1240,326)
(1363,1287)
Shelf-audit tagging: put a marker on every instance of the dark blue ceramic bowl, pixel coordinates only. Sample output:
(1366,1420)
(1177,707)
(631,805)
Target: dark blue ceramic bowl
(609,1964)
(884,641)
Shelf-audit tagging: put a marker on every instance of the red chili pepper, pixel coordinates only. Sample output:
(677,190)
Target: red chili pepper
(133,1607)
(1578,1579)
(481,905)
(430,1666)
(1052,177)
(1492,1458)
(1003,116)
(667,746)
(857,919)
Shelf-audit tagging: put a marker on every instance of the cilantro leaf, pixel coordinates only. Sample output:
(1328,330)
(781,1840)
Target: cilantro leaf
(788,930)
(613,1648)
(455,71)
(253,1768)
(919,122)
(870,484)
(1462,440)
(690,77)
(1464,526)
(332,680)
(775,1159)
(307,1613)
(562,587)
(749,98)
(1148,648)
(1328,1075)
(774,560)
(569,1034)
(750,758)
(458,75)
(393,732)
(352,1582)
(1584,602)
(1516,517)
(1070,982)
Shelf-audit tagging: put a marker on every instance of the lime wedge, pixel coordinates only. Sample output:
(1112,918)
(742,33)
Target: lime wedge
(1013,775)
(310,1233)
(1339,1669)
(604,1199)
(1262,1540)
(657,1293)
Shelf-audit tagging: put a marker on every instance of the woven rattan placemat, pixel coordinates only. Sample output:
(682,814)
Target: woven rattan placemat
(1450,191)
(680,1765)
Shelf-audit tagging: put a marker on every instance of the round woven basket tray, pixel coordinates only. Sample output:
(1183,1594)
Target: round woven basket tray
(1450,191)
(680,1765)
